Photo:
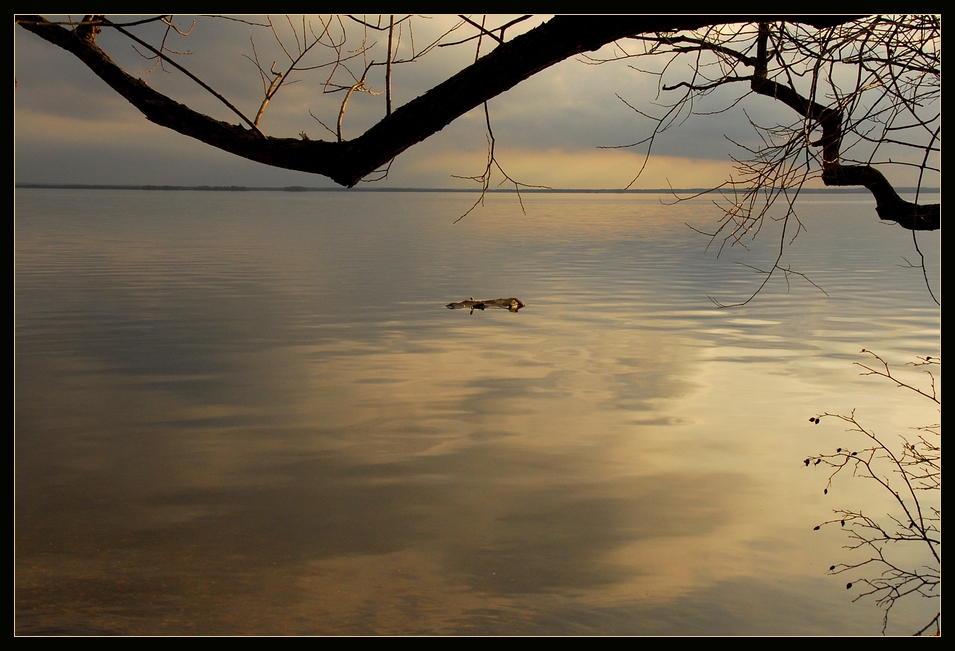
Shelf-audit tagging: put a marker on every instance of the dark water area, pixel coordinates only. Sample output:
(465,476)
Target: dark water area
(251,413)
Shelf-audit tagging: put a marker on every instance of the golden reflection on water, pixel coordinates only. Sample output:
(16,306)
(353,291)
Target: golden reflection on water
(226,435)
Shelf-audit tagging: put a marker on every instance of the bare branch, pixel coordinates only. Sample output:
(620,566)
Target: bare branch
(104,21)
(903,475)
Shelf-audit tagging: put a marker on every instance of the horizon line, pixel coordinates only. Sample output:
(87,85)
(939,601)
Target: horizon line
(300,188)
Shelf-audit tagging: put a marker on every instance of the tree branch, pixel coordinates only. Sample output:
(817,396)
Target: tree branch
(889,205)
(347,162)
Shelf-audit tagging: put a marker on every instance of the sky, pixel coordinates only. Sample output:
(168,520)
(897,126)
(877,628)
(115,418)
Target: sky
(556,129)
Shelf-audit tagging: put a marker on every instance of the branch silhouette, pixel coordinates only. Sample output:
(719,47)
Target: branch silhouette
(909,472)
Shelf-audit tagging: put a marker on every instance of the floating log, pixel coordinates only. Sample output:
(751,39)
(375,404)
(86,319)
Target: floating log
(510,304)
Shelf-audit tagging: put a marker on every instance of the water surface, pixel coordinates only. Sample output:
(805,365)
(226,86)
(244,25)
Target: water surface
(251,413)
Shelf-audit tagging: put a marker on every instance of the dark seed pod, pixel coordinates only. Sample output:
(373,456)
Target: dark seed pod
(816,528)
(848,586)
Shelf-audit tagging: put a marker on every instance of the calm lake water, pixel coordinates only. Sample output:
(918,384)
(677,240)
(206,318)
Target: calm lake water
(251,413)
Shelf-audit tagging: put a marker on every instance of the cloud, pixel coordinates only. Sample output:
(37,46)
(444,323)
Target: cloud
(594,169)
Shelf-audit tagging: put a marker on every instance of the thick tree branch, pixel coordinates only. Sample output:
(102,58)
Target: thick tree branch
(889,205)
(348,162)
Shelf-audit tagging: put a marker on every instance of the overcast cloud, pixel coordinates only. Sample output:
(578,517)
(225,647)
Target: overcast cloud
(71,128)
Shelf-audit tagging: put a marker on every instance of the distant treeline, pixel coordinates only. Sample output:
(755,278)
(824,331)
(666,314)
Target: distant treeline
(300,188)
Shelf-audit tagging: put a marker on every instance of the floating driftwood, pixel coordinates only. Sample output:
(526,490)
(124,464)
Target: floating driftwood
(510,304)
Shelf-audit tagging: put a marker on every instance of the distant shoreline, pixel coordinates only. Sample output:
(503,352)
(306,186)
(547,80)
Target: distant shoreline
(299,188)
